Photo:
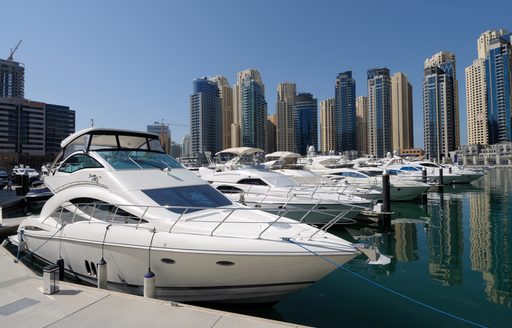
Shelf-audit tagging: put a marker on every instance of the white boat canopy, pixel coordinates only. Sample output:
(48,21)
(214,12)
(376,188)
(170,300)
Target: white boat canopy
(239,151)
(283,154)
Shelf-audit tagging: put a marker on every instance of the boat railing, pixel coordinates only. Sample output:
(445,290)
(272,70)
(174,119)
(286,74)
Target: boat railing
(121,214)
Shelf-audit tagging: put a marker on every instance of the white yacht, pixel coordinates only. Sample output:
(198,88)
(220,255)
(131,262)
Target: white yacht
(288,163)
(451,173)
(276,193)
(119,197)
(400,189)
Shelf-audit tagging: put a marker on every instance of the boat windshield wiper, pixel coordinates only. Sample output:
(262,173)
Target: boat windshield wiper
(134,162)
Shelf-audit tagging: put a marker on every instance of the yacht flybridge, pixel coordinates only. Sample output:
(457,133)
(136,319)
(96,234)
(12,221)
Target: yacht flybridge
(119,197)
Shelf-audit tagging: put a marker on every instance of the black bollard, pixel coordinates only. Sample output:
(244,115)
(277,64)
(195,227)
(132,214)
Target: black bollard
(441,182)
(60,264)
(25,182)
(424,175)
(385,218)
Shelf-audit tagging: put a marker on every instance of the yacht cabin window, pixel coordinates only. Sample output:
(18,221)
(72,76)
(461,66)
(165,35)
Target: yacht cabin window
(253,181)
(77,162)
(188,198)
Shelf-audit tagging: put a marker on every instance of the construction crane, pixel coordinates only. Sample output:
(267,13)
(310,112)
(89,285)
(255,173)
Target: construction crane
(167,145)
(11,54)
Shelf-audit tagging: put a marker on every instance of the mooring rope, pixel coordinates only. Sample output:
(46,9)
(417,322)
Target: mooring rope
(32,252)
(386,288)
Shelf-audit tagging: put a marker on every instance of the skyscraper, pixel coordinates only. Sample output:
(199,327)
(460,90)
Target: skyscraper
(271,133)
(476,91)
(12,79)
(226,96)
(476,103)
(306,122)
(379,112)
(484,41)
(345,102)
(440,115)
(362,124)
(205,118)
(402,134)
(498,73)
(285,107)
(250,111)
(327,125)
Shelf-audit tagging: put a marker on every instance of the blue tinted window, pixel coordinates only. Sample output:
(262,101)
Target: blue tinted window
(202,196)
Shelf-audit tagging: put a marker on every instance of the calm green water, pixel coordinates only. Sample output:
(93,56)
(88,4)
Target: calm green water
(453,253)
(456,257)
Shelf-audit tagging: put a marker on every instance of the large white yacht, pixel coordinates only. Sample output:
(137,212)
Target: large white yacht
(119,197)
(242,178)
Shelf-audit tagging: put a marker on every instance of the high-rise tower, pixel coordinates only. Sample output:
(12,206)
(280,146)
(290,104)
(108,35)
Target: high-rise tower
(476,91)
(440,114)
(285,106)
(327,125)
(401,112)
(498,73)
(12,79)
(250,111)
(306,122)
(379,112)
(205,118)
(362,124)
(345,102)
(226,96)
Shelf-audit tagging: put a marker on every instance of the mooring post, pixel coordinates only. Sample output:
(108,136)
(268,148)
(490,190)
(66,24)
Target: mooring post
(424,175)
(441,181)
(385,217)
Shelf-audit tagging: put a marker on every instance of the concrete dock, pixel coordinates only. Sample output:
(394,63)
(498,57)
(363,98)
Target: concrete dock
(23,304)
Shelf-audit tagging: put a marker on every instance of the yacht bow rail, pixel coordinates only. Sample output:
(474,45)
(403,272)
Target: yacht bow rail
(122,214)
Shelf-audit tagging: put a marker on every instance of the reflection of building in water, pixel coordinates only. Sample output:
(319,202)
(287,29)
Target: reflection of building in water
(445,241)
(406,242)
(491,238)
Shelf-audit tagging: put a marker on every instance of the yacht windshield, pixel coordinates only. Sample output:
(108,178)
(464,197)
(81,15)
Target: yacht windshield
(137,159)
(188,198)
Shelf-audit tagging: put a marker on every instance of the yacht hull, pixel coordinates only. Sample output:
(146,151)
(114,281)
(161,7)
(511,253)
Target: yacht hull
(187,275)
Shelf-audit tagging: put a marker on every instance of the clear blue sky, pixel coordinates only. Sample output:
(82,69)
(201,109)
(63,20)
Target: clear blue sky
(129,63)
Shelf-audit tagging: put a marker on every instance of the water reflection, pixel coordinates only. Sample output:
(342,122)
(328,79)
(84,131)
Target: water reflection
(446,240)
(491,236)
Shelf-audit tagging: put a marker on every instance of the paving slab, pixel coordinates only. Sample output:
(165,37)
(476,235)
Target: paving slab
(23,304)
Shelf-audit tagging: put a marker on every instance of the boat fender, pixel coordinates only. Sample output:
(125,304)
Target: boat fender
(149,284)
(22,244)
(102,273)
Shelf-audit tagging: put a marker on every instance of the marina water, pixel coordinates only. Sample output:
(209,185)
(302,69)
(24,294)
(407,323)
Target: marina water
(452,253)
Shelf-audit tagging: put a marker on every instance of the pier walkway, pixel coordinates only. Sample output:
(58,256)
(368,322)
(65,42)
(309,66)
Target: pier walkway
(23,304)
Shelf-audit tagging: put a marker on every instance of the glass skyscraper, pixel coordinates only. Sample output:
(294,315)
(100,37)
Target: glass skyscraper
(205,118)
(439,107)
(306,122)
(345,112)
(249,111)
(379,112)
(498,66)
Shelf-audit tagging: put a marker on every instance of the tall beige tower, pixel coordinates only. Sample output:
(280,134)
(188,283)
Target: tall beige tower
(226,95)
(327,125)
(285,105)
(362,124)
(476,103)
(402,134)
(485,38)
(271,133)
